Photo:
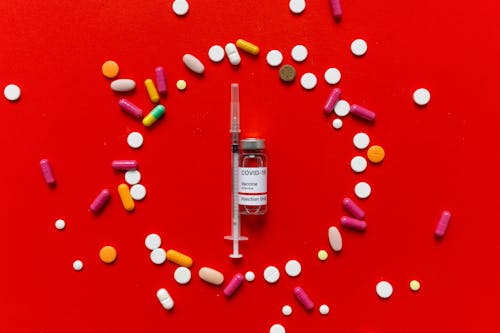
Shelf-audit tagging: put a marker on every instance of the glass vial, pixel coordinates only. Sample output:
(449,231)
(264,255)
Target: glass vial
(252,192)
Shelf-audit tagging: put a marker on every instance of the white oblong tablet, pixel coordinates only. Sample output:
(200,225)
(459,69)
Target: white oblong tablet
(342,108)
(384,289)
(158,256)
(332,76)
(299,53)
(133,177)
(216,53)
(12,92)
(358,164)
(277,328)
(361,140)
(324,309)
(232,54)
(308,81)
(337,123)
(271,274)
(182,275)
(152,241)
(421,96)
(297,6)
(135,140)
(362,190)
(359,47)
(180,7)
(60,224)
(249,276)
(335,239)
(193,63)
(165,299)
(274,58)
(77,265)
(293,268)
(122,85)
(286,310)
(138,192)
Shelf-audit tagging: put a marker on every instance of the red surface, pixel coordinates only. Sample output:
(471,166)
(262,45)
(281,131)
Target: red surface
(440,157)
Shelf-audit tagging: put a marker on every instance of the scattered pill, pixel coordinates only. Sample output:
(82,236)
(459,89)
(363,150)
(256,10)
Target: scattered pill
(271,274)
(375,154)
(362,112)
(60,224)
(211,276)
(232,54)
(193,63)
(12,92)
(336,9)
(133,177)
(216,53)
(233,285)
(181,85)
(335,239)
(421,96)
(442,225)
(124,165)
(299,53)
(274,58)
(331,101)
(179,258)
(100,201)
(358,164)
(77,265)
(152,92)
(107,254)
(337,123)
(332,76)
(324,309)
(384,289)
(125,197)
(287,73)
(247,46)
(303,298)
(161,81)
(286,310)
(122,85)
(361,140)
(154,115)
(352,223)
(352,208)
(293,268)
(342,108)
(110,69)
(138,192)
(180,7)
(277,328)
(250,276)
(135,140)
(362,190)
(130,108)
(359,47)
(297,6)
(152,242)
(47,172)
(414,285)
(182,275)
(164,297)
(322,255)
(158,256)
(308,81)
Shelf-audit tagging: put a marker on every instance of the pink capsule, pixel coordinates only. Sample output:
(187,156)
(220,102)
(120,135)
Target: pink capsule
(124,164)
(130,108)
(161,83)
(303,298)
(362,112)
(336,9)
(442,224)
(233,285)
(100,201)
(333,98)
(47,172)
(352,208)
(352,223)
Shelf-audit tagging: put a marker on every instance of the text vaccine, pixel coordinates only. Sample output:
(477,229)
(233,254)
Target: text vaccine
(252,177)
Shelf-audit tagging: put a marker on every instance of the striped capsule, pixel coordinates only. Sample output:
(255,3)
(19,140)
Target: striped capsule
(47,172)
(303,298)
(179,258)
(352,208)
(124,165)
(352,223)
(233,285)
(362,112)
(152,92)
(332,99)
(442,225)
(130,108)
(247,46)
(100,201)
(161,82)
(127,201)
(154,115)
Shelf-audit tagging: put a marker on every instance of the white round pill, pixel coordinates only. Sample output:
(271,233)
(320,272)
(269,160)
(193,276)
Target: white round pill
(12,92)
(286,310)
(384,289)
(342,108)
(152,241)
(138,192)
(421,96)
(332,76)
(132,177)
(293,268)
(216,53)
(308,81)
(361,140)
(180,7)
(358,164)
(158,256)
(359,47)
(182,275)
(274,58)
(297,6)
(77,265)
(277,328)
(299,53)
(337,123)
(362,190)
(135,140)
(271,274)
(60,224)
(324,309)
(249,276)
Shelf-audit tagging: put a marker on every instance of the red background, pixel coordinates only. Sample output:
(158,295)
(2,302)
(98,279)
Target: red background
(444,156)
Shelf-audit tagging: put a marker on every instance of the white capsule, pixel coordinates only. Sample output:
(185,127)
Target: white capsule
(122,85)
(232,54)
(164,297)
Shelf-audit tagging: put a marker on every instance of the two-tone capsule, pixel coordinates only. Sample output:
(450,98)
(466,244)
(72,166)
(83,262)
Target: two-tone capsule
(154,115)
(100,201)
(47,172)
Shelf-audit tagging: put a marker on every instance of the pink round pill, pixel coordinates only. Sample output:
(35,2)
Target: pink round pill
(233,285)
(332,99)
(362,112)
(161,83)
(47,172)
(352,223)
(130,108)
(100,201)
(442,224)
(124,164)
(303,298)
(353,209)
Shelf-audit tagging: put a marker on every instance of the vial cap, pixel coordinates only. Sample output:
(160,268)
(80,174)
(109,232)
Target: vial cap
(252,144)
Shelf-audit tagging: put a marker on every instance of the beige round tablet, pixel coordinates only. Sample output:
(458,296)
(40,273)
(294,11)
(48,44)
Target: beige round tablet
(211,276)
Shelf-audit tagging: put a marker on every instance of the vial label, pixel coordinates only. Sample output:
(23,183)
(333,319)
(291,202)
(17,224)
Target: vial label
(252,186)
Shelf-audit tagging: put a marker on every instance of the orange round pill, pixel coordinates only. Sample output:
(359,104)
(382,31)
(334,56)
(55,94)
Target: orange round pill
(376,154)
(107,254)
(110,69)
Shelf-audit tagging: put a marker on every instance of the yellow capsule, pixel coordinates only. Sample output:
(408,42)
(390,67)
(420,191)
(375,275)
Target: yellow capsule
(247,46)
(152,92)
(127,201)
(179,258)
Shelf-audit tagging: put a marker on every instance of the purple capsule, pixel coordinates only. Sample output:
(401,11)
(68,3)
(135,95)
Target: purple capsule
(233,285)
(336,9)
(303,298)
(362,112)
(332,99)
(442,224)
(352,223)
(353,209)
(100,201)
(161,83)
(124,164)
(47,172)
(130,108)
